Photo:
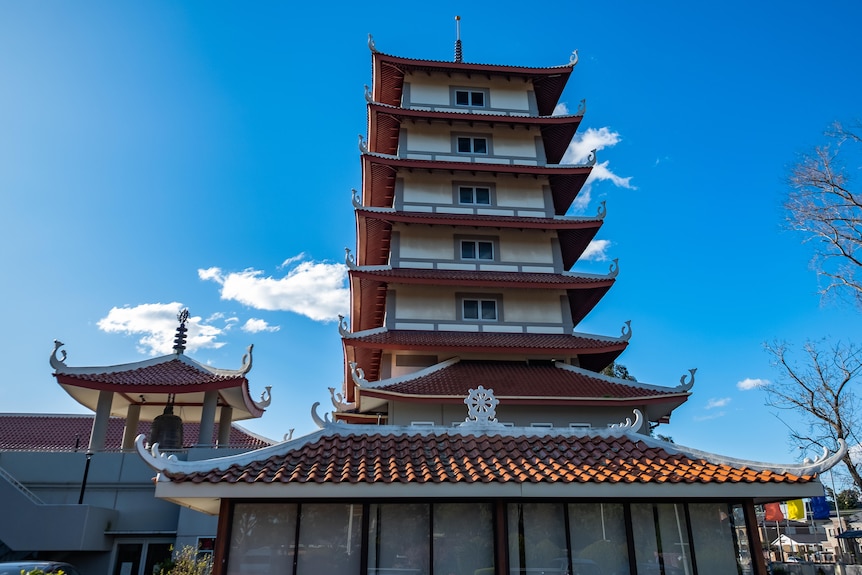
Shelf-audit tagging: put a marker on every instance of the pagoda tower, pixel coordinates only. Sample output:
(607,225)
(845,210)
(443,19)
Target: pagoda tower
(462,272)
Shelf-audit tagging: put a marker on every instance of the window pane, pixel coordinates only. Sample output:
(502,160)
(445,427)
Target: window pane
(712,535)
(128,558)
(462,98)
(489,310)
(465,195)
(478,98)
(464,145)
(661,537)
(480,146)
(471,309)
(537,538)
(398,539)
(486,250)
(262,538)
(598,538)
(468,250)
(483,196)
(463,538)
(330,539)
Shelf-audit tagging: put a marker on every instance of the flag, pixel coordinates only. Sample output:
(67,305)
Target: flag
(820,508)
(795,509)
(773,512)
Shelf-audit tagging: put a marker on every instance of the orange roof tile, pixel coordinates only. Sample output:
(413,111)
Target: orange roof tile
(455,458)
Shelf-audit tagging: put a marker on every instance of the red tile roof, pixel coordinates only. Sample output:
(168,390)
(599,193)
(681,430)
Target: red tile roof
(157,377)
(499,341)
(481,278)
(511,379)
(43,432)
(454,458)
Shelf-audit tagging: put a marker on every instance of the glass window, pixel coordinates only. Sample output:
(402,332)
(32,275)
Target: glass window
(470,145)
(398,539)
(465,145)
(262,538)
(484,309)
(470,98)
(462,97)
(330,538)
(537,538)
(598,538)
(712,535)
(477,195)
(483,196)
(661,538)
(128,558)
(463,538)
(477,250)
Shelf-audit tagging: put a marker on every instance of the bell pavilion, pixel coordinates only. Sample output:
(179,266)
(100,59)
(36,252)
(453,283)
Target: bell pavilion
(475,433)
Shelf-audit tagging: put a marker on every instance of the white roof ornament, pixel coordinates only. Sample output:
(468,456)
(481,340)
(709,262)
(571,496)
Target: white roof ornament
(591,159)
(338,401)
(481,408)
(321,423)
(368,97)
(626,331)
(356,197)
(628,424)
(602,211)
(58,363)
(683,386)
(582,107)
(614,268)
(573,59)
(371,45)
(246,361)
(265,398)
(358,375)
(289,435)
(343,327)
(349,259)
(363,145)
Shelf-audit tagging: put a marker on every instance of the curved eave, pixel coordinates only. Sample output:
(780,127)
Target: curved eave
(593,355)
(378,177)
(71,381)
(388,77)
(369,288)
(374,230)
(384,123)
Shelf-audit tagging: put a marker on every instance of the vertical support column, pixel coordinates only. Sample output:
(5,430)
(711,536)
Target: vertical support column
(133,415)
(224,421)
(205,436)
(100,423)
(754,543)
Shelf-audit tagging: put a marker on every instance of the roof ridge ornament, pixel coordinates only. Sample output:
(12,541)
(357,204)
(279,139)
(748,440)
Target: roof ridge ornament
(371,45)
(614,269)
(338,401)
(343,327)
(683,386)
(363,145)
(265,398)
(602,210)
(626,330)
(628,424)
(349,259)
(591,159)
(58,363)
(573,58)
(357,374)
(180,338)
(356,197)
(368,97)
(246,360)
(481,407)
(582,107)
(322,423)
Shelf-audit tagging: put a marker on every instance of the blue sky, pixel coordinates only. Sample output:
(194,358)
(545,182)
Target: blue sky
(159,155)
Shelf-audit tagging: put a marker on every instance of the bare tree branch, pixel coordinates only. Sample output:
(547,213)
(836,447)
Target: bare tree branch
(821,204)
(821,387)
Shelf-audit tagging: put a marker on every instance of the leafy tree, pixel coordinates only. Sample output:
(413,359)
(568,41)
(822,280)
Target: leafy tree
(821,390)
(848,499)
(822,205)
(619,371)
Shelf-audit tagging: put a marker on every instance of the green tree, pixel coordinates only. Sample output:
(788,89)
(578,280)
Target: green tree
(187,561)
(619,371)
(848,499)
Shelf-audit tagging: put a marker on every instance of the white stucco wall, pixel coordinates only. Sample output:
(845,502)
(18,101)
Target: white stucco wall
(434,90)
(510,193)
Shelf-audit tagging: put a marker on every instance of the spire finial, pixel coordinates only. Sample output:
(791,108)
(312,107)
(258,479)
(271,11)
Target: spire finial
(180,339)
(458,53)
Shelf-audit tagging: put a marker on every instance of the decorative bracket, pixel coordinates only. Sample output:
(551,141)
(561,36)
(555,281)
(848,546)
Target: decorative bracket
(58,363)
(573,59)
(338,401)
(591,159)
(368,97)
(371,45)
(343,327)
(358,374)
(363,145)
(602,211)
(356,197)
(265,398)
(614,269)
(683,386)
(246,361)
(349,259)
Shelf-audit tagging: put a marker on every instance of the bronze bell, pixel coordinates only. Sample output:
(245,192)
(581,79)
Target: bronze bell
(167,429)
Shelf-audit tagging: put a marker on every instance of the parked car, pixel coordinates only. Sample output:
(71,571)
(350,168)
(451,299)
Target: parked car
(46,566)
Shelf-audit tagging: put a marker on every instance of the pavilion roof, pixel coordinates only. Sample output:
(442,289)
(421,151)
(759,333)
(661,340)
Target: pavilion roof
(150,382)
(374,229)
(489,461)
(67,432)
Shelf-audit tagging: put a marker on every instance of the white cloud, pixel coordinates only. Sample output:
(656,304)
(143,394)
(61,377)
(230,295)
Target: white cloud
(749,383)
(597,251)
(717,402)
(297,258)
(560,110)
(317,290)
(579,151)
(255,325)
(157,325)
(710,416)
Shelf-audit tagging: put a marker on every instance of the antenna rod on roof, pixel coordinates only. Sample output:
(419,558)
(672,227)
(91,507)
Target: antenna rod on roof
(458,54)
